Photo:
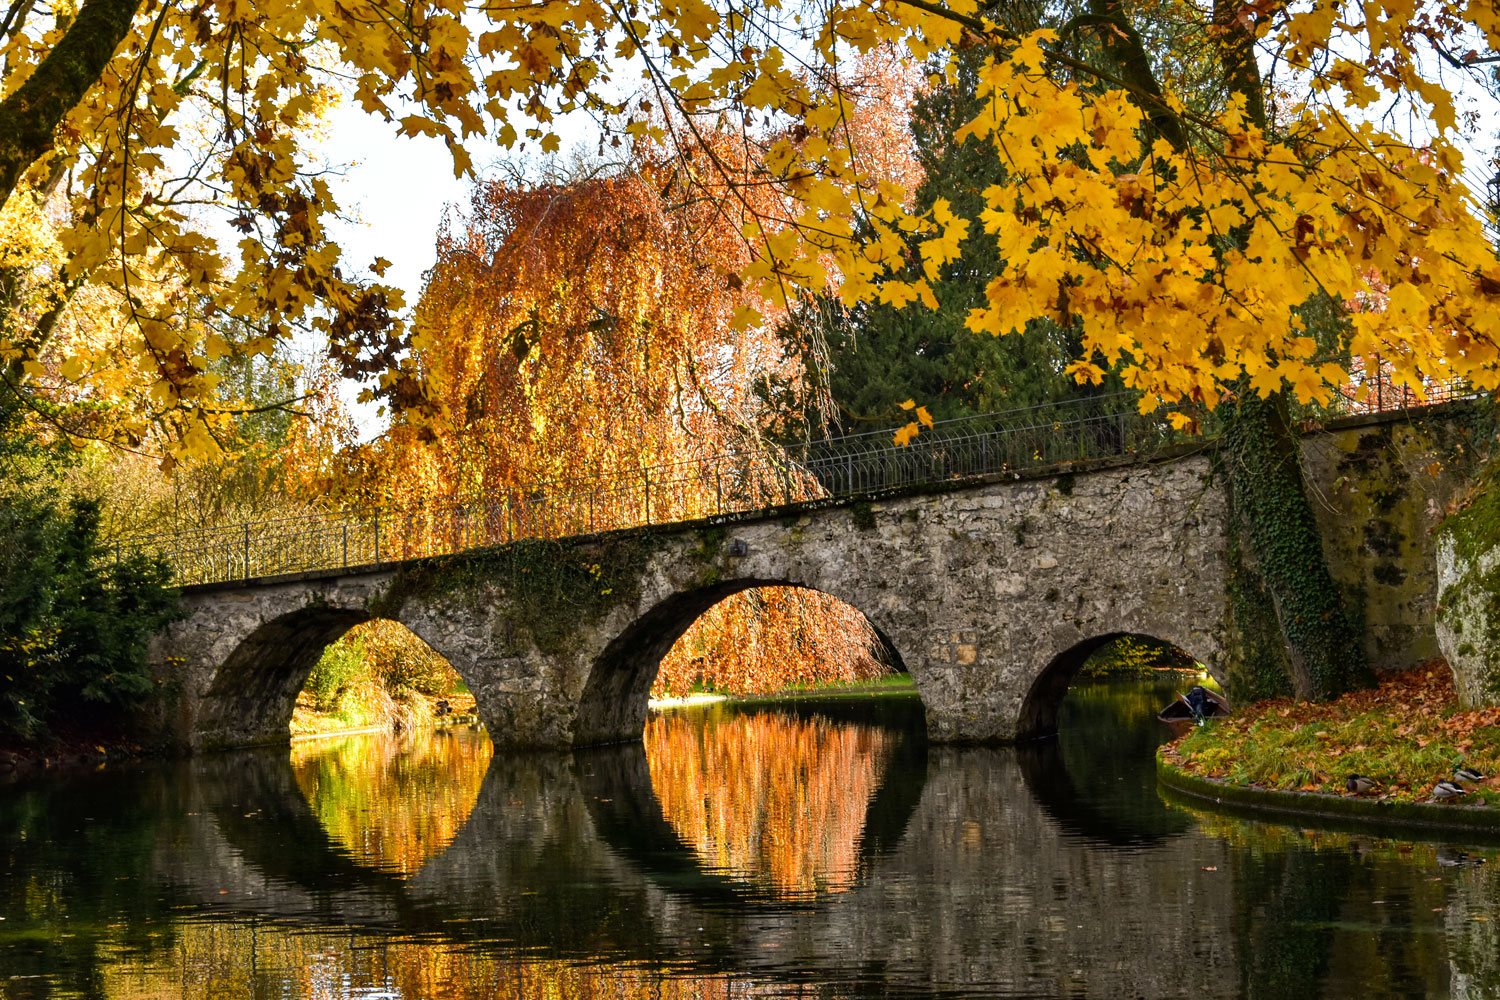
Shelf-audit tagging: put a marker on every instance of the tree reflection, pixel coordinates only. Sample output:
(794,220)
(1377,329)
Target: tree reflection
(1343,908)
(258,960)
(772,799)
(393,802)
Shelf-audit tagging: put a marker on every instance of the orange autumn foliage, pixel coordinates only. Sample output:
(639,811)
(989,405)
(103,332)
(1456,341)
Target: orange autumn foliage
(770,799)
(586,329)
(392,803)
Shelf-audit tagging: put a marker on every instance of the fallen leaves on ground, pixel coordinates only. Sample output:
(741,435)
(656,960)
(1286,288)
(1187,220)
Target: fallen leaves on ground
(1407,734)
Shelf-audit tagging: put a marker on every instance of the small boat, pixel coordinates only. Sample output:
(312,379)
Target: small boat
(1193,708)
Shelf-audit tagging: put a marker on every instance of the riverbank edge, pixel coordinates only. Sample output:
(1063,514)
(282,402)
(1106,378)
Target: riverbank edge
(1347,811)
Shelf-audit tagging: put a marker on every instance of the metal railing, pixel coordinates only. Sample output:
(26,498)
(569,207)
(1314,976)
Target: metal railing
(1082,429)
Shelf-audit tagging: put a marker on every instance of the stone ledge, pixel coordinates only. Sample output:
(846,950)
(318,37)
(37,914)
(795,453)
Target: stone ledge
(1418,820)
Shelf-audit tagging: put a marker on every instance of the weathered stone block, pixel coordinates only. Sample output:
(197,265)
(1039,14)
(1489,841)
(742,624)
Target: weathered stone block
(1468,620)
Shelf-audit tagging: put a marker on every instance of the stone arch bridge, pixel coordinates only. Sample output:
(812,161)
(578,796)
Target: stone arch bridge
(991,589)
(991,593)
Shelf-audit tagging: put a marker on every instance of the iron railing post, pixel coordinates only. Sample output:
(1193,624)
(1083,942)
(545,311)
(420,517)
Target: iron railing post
(646,503)
(346,544)
(377,538)
(247,550)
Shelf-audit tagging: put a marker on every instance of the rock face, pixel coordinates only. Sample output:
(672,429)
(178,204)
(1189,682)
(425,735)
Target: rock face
(991,595)
(1468,621)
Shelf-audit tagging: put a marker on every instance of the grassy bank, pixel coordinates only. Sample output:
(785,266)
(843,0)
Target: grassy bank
(887,684)
(1407,735)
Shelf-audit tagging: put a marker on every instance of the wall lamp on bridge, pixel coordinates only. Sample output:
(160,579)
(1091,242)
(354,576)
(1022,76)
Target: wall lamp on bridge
(737,547)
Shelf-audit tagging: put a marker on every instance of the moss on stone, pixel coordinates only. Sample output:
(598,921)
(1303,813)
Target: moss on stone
(1471,603)
(548,584)
(1475,528)
(863,515)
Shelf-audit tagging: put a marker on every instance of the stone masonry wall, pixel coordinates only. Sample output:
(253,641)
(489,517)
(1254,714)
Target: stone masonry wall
(1379,488)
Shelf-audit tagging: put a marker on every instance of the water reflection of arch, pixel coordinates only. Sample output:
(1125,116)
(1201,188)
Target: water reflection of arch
(1075,772)
(628,816)
(536,825)
(1051,784)
(249,843)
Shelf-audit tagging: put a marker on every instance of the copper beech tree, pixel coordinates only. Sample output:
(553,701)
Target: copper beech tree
(1181,234)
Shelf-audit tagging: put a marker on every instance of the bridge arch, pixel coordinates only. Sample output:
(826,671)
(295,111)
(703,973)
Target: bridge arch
(613,704)
(253,691)
(1043,700)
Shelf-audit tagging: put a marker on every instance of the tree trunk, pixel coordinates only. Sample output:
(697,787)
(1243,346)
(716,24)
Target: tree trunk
(1326,654)
(30,116)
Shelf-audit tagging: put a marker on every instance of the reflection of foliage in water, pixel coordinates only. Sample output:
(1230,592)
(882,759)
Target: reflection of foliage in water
(776,800)
(392,802)
(75,881)
(1325,905)
(241,961)
(1107,739)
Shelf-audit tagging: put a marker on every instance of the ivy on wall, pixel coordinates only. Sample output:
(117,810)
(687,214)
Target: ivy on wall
(1324,651)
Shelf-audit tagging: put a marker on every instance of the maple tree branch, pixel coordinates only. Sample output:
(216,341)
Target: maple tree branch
(42,333)
(1123,43)
(15,18)
(1236,43)
(1138,79)
(31,114)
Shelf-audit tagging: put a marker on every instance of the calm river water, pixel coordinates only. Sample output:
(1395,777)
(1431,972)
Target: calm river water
(819,850)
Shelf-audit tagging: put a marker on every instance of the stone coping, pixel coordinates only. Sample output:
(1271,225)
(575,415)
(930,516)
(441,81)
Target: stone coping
(1416,820)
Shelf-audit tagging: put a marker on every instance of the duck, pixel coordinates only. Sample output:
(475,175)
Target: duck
(1445,790)
(1467,775)
(1359,784)
(1452,857)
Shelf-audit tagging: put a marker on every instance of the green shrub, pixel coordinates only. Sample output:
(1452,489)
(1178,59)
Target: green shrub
(1134,655)
(341,664)
(74,622)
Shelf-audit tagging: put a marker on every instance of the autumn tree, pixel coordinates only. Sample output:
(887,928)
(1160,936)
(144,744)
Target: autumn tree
(875,355)
(579,342)
(1180,239)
